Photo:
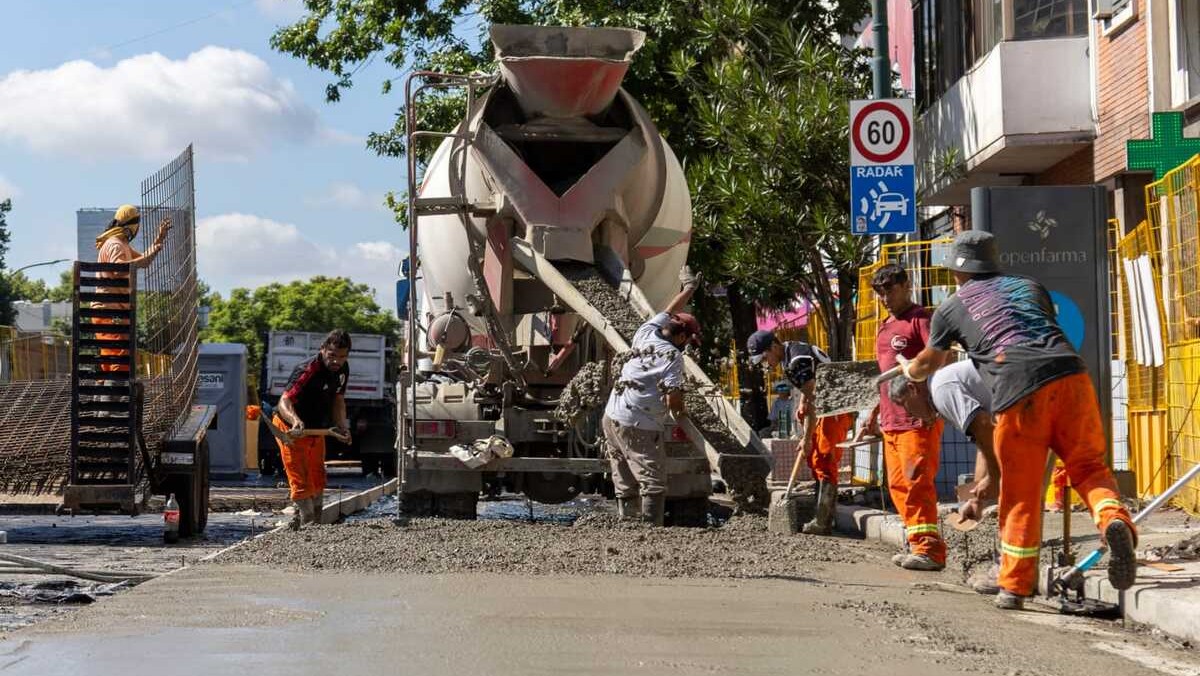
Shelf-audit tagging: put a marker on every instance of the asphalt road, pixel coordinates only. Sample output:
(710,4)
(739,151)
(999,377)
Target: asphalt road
(866,617)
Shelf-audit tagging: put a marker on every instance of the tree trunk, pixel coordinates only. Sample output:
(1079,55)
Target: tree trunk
(847,312)
(753,396)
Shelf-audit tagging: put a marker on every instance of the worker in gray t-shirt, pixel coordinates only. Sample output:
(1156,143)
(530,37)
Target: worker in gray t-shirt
(958,393)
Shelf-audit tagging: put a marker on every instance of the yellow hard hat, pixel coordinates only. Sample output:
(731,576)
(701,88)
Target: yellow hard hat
(128,216)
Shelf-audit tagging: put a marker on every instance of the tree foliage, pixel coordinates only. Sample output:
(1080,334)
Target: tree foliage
(771,183)
(8,315)
(319,304)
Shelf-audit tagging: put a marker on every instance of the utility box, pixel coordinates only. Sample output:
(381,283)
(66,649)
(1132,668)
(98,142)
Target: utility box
(222,383)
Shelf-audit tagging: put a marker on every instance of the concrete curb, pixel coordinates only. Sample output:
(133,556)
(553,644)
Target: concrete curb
(1168,602)
(357,502)
(872,524)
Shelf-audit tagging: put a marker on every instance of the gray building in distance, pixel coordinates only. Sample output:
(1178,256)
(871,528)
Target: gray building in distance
(89,224)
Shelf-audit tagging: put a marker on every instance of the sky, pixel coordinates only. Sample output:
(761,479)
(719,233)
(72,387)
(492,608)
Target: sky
(285,187)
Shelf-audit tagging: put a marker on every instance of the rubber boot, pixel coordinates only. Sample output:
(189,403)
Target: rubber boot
(822,523)
(653,508)
(297,515)
(318,505)
(304,508)
(629,509)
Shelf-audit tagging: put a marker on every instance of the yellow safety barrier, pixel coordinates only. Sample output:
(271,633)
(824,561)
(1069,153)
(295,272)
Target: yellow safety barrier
(1173,207)
(33,356)
(931,285)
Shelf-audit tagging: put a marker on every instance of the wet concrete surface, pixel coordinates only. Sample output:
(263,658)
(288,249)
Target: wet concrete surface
(869,618)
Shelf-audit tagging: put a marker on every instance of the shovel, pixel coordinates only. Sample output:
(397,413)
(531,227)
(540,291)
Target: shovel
(286,438)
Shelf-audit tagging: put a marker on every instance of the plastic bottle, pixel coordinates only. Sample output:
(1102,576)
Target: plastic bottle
(171,520)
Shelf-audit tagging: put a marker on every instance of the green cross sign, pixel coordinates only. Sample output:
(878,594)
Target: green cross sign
(1165,150)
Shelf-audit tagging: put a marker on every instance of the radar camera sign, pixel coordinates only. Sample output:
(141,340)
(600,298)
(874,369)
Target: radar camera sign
(883,190)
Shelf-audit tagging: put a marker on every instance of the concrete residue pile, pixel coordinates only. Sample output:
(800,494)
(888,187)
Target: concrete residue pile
(745,476)
(842,387)
(596,544)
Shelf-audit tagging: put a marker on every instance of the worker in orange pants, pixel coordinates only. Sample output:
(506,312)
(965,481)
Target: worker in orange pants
(826,456)
(1062,414)
(304,462)
(1042,398)
(911,458)
(314,397)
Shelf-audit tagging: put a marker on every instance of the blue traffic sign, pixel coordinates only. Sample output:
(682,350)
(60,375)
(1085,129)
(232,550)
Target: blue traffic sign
(883,199)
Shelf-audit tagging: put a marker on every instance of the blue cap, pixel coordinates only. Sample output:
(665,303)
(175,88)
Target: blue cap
(783,386)
(758,343)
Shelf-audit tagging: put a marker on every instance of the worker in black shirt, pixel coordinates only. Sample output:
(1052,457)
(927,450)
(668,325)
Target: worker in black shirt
(314,398)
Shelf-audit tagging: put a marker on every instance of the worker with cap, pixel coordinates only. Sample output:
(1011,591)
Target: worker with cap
(958,394)
(314,397)
(819,438)
(1042,398)
(649,387)
(911,446)
(114,246)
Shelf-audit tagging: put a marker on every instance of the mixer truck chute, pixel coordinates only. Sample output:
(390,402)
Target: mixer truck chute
(553,170)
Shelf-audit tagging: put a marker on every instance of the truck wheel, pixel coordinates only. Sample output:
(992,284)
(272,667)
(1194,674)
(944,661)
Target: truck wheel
(455,505)
(687,512)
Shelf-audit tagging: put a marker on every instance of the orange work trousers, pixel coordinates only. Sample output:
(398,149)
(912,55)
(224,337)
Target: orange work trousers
(1062,414)
(304,462)
(825,456)
(911,457)
(108,351)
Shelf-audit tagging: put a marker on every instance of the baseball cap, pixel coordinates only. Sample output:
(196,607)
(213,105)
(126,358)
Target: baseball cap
(757,345)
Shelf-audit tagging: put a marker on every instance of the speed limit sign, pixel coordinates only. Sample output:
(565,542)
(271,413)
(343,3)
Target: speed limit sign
(881,132)
(883,198)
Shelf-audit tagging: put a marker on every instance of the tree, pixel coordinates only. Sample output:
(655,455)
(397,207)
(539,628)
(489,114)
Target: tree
(24,288)
(65,290)
(319,304)
(8,315)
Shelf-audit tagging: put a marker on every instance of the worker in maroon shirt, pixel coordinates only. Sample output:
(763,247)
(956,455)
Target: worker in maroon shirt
(314,398)
(910,445)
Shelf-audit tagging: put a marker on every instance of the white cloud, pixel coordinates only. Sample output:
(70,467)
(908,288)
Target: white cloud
(226,101)
(347,196)
(243,250)
(8,189)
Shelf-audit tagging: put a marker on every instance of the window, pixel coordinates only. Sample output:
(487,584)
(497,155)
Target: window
(1123,12)
(1041,19)
(951,36)
(1185,53)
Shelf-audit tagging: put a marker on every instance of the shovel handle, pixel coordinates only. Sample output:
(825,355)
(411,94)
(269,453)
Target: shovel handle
(890,374)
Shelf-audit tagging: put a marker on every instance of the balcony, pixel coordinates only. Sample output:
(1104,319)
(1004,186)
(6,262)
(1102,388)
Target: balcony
(1020,110)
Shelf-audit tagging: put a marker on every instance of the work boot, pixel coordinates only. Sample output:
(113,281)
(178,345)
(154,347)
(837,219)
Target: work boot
(920,562)
(304,509)
(630,508)
(822,523)
(653,507)
(898,559)
(297,516)
(318,505)
(1122,568)
(1007,600)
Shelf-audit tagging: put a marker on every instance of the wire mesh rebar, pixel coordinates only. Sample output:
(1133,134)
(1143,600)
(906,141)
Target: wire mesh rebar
(166,306)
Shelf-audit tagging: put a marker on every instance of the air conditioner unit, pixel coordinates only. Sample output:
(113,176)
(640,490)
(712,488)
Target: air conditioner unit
(1102,9)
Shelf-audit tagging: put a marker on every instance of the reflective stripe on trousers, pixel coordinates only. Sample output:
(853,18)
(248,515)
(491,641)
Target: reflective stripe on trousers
(911,457)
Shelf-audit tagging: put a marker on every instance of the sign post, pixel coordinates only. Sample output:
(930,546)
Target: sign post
(883,187)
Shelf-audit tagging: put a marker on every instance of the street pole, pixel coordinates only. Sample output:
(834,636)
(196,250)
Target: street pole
(34,265)
(881,63)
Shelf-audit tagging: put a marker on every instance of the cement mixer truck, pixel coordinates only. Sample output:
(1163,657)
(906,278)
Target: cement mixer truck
(549,223)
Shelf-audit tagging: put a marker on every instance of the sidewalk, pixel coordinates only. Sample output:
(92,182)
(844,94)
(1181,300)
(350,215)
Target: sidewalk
(1167,601)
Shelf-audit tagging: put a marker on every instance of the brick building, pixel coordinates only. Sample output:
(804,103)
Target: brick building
(1045,92)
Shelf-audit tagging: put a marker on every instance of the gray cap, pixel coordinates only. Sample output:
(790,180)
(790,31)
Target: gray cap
(973,251)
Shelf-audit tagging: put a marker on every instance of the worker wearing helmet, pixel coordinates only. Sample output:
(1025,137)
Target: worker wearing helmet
(114,247)
(649,387)
(819,437)
(1042,397)
(911,446)
(314,397)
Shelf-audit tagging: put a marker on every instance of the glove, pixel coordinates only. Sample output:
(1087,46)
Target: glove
(905,364)
(690,281)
